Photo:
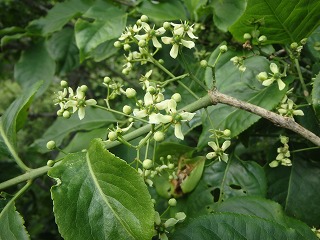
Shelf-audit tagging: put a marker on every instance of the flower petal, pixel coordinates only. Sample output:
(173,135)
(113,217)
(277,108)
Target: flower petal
(298,112)
(81,113)
(186,116)
(211,155)
(268,82)
(156,43)
(91,102)
(148,99)
(213,145)
(187,44)
(177,131)
(225,145)
(281,84)
(157,118)
(190,34)
(140,113)
(274,68)
(166,40)
(174,51)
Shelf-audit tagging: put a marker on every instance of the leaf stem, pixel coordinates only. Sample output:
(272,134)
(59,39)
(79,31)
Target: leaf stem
(303,84)
(12,150)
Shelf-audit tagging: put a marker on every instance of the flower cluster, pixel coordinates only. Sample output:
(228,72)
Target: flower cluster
(275,76)
(142,34)
(239,63)
(71,102)
(219,152)
(296,48)
(287,108)
(283,154)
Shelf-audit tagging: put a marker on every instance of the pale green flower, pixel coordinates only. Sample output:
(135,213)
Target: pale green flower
(218,151)
(275,76)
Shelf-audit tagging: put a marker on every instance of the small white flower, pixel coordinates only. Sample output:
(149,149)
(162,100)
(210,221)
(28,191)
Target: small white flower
(275,76)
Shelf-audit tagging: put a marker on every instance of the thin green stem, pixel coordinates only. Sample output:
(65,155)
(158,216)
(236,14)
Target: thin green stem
(303,84)
(16,196)
(12,150)
(120,113)
(173,79)
(304,149)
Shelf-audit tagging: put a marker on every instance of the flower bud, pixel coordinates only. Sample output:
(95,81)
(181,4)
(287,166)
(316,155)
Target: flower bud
(63,84)
(130,93)
(151,89)
(223,48)
(50,163)
(227,132)
(107,80)
(171,166)
(293,45)
(144,18)
(176,97)
(142,43)
(84,88)
(51,145)
(247,36)
(161,61)
(147,164)
(127,109)
(126,47)
(66,114)
(158,136)
(117,44)
(125,71)
(60,112)
(166,25)
(304,41)
(274,164)
(172,202)
(262,76)
(203,63)
(112,136)
(262,38)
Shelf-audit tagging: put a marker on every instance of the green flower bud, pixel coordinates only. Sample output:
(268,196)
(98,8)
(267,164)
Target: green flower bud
(112,136)
(274,164)
(142,43)
(294,45)
(138,22)
(161,61)
(50,163)
(125,71)
(126,47)
(117,44)
(147,164)
(227,132)
(223,48)
(51,145)
(171,166)
(107,80)
(169,157)
(166,25)
(158,136)
(130,93)
(63,84)
(262,38)
(84,88)
(304,41)
(247,36)
(60,112)
(172,202)
(127,109)
(203,63)
(66,114)
(151,89)
(144,18)
(176,97)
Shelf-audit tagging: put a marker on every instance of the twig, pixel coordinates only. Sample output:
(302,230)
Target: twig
(277,119)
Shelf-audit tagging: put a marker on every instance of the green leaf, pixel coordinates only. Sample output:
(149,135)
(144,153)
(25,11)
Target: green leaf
(284,21)
(11,224)
(235,178)
(62,47)
(61,128)
(163,10)
(243,86)
(6,39)
(316,95)
(313,45)
(15,116)
(35,64)
(107,22)
(104,50)
(194,6)
(237,226)
(191,181)
(263,208)
(226,12)
(59,16)
(102,196)
(296,188)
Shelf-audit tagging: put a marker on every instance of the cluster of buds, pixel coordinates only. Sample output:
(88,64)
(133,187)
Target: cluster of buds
(239,63)
(287,108)
(296,48)
(275,76)
(253,38)
(142,34)
(219,152)
(163,227)
(69,102)
(283,154)
(149,171)
(114,88)
(316,231)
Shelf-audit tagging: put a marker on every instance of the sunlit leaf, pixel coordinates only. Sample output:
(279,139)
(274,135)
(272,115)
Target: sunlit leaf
(102,196)
(283,21)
